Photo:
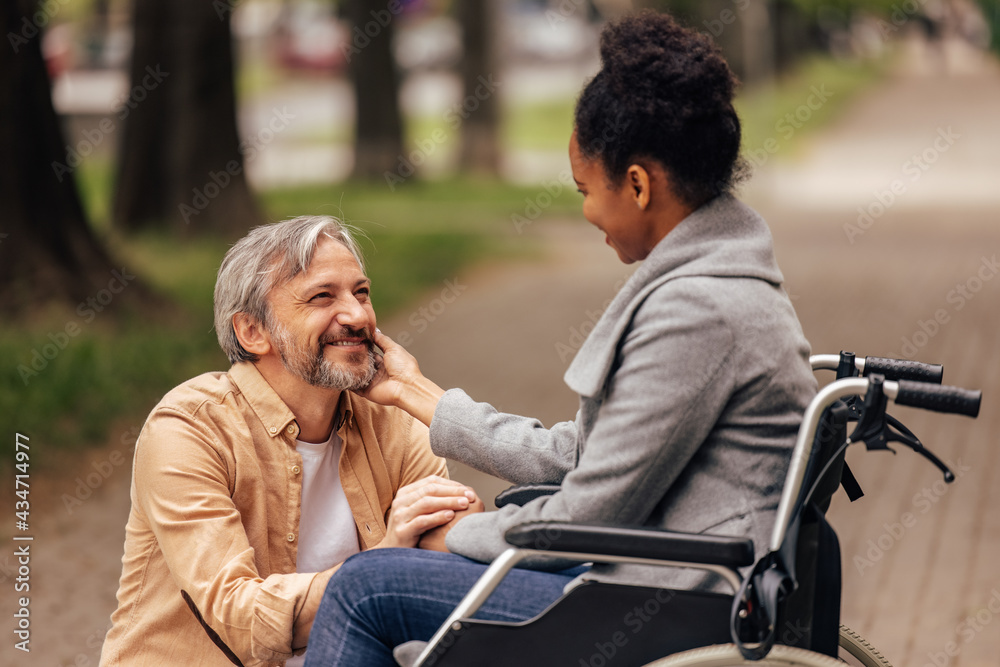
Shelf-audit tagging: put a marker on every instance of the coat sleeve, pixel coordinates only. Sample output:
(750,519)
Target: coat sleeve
(518,449)
(669,384)
(182,486)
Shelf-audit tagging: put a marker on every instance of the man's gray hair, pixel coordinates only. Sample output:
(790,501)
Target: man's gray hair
(266,257)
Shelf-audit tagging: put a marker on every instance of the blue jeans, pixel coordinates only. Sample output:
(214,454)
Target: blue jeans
(385,597)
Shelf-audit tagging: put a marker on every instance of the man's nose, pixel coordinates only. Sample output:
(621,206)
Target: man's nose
(353,315)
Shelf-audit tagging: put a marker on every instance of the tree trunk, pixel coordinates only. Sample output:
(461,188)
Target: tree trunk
(378,136)
(47,251)
(182,163)
(480,105)
(759,37)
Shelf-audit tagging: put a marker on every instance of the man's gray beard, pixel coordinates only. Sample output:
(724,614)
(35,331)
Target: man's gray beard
(318,370)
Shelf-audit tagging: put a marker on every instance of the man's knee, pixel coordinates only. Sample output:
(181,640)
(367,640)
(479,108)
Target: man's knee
(374,572)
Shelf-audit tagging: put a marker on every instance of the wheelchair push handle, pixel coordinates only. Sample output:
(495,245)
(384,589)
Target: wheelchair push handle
(939,398)
(847,364)
(902,369)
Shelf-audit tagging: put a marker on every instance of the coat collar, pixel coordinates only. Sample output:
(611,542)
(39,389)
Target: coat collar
(723,238)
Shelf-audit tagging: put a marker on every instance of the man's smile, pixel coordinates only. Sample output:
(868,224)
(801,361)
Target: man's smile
(348,342)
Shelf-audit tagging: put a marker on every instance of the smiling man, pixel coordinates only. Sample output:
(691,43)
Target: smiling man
(251,487)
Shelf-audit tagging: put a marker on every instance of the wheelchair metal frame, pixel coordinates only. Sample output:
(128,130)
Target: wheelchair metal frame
(790,502)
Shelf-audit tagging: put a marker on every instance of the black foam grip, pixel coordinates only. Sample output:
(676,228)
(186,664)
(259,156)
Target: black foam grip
(939,398)
(636,541)
(904,369)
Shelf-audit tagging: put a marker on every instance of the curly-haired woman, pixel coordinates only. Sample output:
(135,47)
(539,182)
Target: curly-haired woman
(692,384)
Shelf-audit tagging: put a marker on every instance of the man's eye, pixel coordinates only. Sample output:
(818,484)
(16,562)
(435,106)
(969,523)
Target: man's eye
(581,192)
(364,292)
(321,295)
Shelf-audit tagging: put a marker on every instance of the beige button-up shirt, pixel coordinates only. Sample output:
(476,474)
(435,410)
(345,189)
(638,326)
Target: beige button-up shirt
(208,575)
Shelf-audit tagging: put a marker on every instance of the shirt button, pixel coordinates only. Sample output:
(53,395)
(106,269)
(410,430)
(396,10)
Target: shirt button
(296,470)
(291,537)
(291,428)
(273,429)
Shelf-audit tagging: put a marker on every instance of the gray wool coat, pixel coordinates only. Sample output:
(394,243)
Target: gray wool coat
(692,386)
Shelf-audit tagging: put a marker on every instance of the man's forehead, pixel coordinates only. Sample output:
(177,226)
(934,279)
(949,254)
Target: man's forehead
(332,262)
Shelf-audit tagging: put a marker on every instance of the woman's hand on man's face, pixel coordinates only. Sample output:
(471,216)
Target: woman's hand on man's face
(398,382)
(396,367)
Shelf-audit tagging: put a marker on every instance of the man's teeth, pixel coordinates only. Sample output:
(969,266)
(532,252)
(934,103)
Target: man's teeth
(344,342)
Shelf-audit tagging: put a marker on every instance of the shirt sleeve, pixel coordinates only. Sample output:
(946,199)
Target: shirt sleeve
(182,486)
(419,461)
(668,387)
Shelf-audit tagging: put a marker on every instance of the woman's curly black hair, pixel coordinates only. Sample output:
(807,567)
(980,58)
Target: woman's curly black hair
(664,93)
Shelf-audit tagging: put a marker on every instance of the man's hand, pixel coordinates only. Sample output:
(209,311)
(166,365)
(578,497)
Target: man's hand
(399,383)
(426,504)
(433,539)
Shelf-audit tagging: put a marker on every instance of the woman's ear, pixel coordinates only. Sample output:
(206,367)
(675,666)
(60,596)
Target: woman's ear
(251,334)
(639,185)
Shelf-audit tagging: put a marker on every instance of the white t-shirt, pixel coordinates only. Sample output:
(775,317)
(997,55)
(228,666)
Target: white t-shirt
(327,531)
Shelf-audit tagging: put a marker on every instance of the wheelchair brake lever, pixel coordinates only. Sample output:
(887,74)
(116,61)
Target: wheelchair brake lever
(871,428)
(876,428)
(906,437)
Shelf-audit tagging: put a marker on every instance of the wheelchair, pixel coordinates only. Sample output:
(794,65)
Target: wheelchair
(785,606)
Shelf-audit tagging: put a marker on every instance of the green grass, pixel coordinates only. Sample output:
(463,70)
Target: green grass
(544,126)
(103,374)
(94,180)
(454,204)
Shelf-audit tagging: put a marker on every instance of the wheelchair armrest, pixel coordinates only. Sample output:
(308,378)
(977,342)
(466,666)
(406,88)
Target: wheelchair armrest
(523,493)
(637,542)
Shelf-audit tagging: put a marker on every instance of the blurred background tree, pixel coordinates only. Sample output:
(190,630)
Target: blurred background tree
(378,132)
(991,10)
(182,163)
(47,250)
(480,139)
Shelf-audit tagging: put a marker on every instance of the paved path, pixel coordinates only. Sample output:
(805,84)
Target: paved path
(920,558)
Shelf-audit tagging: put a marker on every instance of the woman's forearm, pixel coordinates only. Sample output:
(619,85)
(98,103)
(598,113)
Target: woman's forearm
(420,398)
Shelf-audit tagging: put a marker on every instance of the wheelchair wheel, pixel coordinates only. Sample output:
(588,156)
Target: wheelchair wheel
(855,650)
(727,655)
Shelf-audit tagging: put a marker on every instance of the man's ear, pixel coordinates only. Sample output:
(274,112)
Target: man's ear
(639,185)
(251,334)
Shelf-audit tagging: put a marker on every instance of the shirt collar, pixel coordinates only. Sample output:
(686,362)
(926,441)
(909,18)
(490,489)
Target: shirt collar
(265,402)
(268,406)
